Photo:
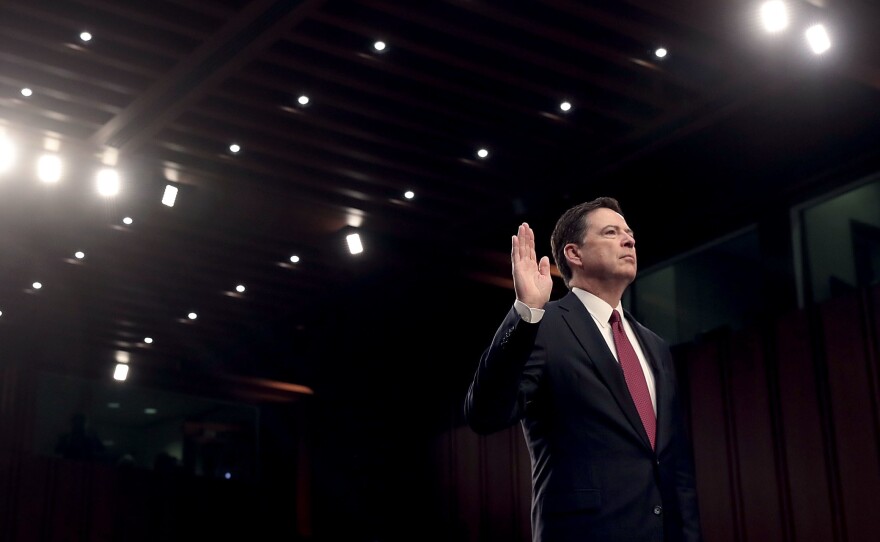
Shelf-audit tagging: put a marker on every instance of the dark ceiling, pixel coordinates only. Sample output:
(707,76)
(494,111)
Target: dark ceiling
(732,125)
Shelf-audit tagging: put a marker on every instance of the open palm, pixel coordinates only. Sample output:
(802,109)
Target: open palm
(531,277)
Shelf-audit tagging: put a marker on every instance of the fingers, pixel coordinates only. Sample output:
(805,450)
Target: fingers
(522,245)
(544,266)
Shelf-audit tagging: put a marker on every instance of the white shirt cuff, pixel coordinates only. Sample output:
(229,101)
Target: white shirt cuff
(528,314)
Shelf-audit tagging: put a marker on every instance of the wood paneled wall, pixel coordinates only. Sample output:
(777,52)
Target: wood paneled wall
(785,418)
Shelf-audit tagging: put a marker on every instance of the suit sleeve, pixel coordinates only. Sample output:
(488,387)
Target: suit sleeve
(685,479)
(507,376)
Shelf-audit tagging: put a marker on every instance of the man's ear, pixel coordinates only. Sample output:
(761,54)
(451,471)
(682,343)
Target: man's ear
(572,254)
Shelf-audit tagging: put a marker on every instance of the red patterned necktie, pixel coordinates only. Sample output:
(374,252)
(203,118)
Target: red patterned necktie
(634,376)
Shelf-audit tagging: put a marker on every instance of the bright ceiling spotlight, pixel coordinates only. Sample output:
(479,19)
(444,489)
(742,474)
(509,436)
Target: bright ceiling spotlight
(79,255)
(26,92)
(774,15)
(108,182)
(818,39)
(85,36)
(565,106)
(192,316)
(7,153)
(121,372)
(483,153)
(379,46)
(661,52)
(303,100)
(127,221)
(49,168)
(409,194)
(355,246)
(170,195)
(235,148)
(37,285)
(148,340)
(240,288)
(294,259)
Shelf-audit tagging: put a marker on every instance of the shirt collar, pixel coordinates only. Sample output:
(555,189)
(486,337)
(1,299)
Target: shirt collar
(598,309)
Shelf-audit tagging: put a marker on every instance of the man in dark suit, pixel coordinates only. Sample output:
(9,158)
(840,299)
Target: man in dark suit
(595,392)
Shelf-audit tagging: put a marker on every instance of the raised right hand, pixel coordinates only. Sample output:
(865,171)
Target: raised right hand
(531,277)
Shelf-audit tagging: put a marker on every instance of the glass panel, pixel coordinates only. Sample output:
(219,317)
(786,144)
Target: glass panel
(842,240)
(713,287)
(117,423)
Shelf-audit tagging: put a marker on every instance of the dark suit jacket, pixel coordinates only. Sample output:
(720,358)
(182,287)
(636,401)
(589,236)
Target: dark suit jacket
(594,474)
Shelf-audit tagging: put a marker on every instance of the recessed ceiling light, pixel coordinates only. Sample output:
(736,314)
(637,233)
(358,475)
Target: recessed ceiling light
(107,182)
(234,148)
(127,221)
(85,36)
(192,316)
(409,194)
(565,106)
(303,100)
(818,39)
(26,92)
(49,168)
(355,246)
(379,46)
(483,153)
(121,372)
(661,52)
(294,259)
(148,340)
(37,285)
(1,313)
(79,255)
(170,195)
(774,15)
(240,288)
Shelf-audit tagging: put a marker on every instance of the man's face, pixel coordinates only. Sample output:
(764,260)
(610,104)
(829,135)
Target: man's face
(608,250)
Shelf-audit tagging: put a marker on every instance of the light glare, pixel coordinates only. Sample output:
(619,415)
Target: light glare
(565,106)
(482,153)
(379,46)
(37,285)
(240,288)
(303,100)
(294,259)
(108,183)
(354,243)
(409,194)
(818,39)
(170,195)
(148,340)
(26,92)
(49,168)
(7,153)
(235,148)
(85,36)
(661,52)
(121,372)
(774,15)
(192,316)
(79,255)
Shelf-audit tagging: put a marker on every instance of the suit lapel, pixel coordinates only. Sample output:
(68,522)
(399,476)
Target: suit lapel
(579,320)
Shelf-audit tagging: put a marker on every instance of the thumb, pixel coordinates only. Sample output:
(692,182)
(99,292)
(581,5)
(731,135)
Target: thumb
(544,266)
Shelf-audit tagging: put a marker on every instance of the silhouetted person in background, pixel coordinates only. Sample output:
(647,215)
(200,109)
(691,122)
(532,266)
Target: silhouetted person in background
(81,442)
